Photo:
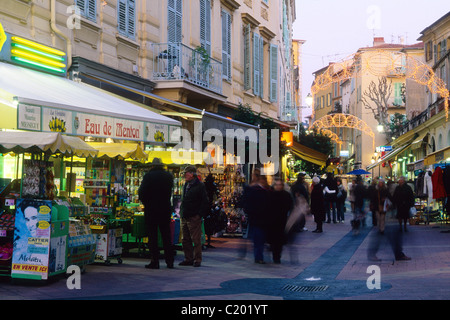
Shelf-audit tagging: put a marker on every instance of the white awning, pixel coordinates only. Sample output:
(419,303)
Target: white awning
(85,110)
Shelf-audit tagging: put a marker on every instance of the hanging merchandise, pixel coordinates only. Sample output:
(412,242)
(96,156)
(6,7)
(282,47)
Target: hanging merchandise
(438,184)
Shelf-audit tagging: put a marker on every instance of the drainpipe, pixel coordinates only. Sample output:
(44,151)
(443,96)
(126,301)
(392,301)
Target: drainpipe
(59,32)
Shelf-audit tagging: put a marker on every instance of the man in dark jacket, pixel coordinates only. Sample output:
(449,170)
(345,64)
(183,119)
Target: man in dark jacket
(194,206)
(403,200)
(155,193)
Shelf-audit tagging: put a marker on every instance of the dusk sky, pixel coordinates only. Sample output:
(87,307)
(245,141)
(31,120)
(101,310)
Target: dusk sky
(334,30)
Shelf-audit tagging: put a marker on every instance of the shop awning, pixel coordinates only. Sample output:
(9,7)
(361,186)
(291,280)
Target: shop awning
(37,142)
(309,154)
(47,102)
(389,156)
(438,156)
(175,157)
(130,151)
(417,143)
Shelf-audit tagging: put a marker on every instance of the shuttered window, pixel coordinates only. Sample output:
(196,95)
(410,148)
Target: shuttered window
(256,65)
(273,72)
(88,9)
(398,94)
(175,17)
(247,60)
(205,25)
(126,18)
(226,45)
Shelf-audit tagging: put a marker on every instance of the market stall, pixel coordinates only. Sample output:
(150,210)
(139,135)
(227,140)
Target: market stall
(34,222)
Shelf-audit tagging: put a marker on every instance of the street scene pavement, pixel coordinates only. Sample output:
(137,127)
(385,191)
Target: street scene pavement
(332,265)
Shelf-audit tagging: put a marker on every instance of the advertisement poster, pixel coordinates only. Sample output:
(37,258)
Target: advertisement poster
(31,239)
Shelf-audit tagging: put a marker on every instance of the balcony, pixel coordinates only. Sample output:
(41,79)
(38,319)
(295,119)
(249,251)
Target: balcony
(176,61)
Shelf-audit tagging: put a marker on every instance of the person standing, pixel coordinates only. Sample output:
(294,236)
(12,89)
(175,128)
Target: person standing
(317,204)
(256,206)
(340,200)
(360,193)
(403,200)
(330,192)
(194,206)
(373,200)
(280,205)
(351,195)
(155,193)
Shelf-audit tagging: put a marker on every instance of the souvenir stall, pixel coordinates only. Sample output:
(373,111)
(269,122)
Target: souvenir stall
(34,223)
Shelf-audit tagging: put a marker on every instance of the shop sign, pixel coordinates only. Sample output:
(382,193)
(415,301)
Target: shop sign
(46,119)
(383,148)
(28,117)
(31,239)
(3,37)
(439,156)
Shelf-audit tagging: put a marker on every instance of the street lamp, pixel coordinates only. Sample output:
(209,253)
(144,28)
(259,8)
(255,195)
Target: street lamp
(309,100)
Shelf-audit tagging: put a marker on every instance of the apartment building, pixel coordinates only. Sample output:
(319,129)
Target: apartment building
(187,59)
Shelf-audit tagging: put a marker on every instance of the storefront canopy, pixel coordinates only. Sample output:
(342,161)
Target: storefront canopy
(309,154)
(46,101)
(389,156)
(37,142)
(131,151)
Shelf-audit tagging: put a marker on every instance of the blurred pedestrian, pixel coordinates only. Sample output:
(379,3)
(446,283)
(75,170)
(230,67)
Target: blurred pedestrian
(280,204)
(373,205)
(360,193)
(340,200)
(351,194)
(403,200)
(300,194)
(317,204)
(330,192)
(383,201)
(155,193)
(194,206)
(211,220)
(256,206)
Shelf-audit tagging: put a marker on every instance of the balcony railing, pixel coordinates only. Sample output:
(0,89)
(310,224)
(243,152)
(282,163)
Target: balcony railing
(175,61)
(432,110)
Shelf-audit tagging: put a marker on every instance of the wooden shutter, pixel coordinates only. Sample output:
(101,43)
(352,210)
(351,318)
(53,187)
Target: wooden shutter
(273,72)
(174,22)
(131,19)
(256,65)
(91,10)
(122,17)
(261,68)
(205,25)
(226,45)
(247,76)
(82,6)
(398,93)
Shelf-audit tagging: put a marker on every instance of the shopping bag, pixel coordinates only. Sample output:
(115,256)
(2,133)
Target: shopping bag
(412,211)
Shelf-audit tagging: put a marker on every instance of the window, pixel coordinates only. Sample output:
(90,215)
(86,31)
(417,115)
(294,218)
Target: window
(174,21)
(205,25)
(247,76)
(273,72)
(226,45)
(126,17)
(88,9)
(428,51)
(398,94)
(258,63)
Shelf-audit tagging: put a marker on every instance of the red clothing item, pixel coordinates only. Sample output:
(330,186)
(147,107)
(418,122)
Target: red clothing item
(438,184)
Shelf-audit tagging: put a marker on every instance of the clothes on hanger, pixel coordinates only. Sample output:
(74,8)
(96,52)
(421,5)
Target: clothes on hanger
(438,184)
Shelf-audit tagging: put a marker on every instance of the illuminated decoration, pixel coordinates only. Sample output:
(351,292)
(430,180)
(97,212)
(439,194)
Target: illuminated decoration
(31,54)
(333,136)
(340,120)
(3,36)
(287,137)
(383,63)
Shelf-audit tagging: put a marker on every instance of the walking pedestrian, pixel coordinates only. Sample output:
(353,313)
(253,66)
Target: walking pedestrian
(330,192)
(194,206)
(373,200)
(340,200)
(383,200)
(155,193)
(317,204)
(360,193)
(256,206)
(280,205)
(403,200)
(351,195)
(299,191)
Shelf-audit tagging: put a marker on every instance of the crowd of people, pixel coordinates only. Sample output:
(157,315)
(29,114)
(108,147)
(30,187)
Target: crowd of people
(275,213)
